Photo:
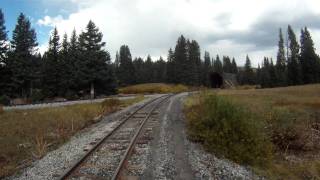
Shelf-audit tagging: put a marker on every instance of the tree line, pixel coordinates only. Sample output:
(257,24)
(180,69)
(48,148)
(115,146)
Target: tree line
(79,66)
(184,65)
(72,68)
(296,63)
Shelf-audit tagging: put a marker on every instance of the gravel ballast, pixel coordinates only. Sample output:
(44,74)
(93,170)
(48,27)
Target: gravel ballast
(55,163)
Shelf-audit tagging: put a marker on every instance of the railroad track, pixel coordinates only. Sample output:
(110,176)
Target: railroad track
(107,157)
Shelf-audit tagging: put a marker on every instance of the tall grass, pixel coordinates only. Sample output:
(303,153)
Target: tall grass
(291,119)
(26,135)
(228,130)
(153,88)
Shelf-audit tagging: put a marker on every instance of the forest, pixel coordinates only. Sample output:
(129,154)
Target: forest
(72,67)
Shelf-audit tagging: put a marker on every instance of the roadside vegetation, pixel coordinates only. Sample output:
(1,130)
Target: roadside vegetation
(153,88)
(26,135)
(275,131)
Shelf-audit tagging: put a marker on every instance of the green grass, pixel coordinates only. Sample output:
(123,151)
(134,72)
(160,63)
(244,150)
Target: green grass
(153,88)
(228,130)
(291,120)
(26,135)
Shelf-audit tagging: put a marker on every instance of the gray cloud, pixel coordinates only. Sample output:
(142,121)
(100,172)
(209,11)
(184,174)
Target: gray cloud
(264,33)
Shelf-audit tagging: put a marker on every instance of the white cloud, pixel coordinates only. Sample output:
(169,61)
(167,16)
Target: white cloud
(50,21)
(152,26)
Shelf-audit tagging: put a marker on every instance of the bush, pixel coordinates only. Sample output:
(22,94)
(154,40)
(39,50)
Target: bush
(37,96)
(5,100)
(291,133)
(228,130)
(110,105)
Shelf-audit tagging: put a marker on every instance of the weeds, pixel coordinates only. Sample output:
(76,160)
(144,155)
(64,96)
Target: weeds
(153,88)
(29,134)
(291,120)
(228,130)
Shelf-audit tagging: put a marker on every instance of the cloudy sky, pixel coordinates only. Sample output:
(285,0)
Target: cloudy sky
(224,27)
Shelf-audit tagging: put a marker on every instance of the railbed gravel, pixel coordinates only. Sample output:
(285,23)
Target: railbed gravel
(207,166)
(55,163)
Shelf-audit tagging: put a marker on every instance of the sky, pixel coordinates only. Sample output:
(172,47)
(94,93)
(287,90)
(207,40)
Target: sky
(225,27)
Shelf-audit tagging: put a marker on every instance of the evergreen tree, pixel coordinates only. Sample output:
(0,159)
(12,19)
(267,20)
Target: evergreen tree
(21,58)
(265,78)
(247,76)
(294,69)
(234,67)
(227,66)
(159,68)
(4,71)
(126,72)
(308,58)
(138,65)
(273,74)
(52,69)
(281,62)
(148,70)
(170,73)
(95,67)
(181,71)
(217,65)
(206,69)
(3,38)
(194,63)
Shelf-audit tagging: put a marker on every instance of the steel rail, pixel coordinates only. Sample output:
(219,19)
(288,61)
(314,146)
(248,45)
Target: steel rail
(116,175)
(68,172)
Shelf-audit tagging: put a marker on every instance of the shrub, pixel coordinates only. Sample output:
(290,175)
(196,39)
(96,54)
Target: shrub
(37,96)
(5,100)
(291,133)
(110,105)
(228,130)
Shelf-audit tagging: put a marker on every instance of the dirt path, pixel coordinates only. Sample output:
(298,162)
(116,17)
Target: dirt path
(169,157)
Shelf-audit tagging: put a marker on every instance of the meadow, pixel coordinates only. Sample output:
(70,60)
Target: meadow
(27,135)
(276,131)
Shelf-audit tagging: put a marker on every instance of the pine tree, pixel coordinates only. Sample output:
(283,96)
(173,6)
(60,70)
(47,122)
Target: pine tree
(194,63)
(74,63)
(170,73)
(21,57)
(281,62)
(265,78)
(181,71)
(273,74)
(52,69)
(159,68)
(138,65)
(217,65)
(206,69)
(4,71)
(308,58)
(148,70)
(294,69)
(227,66)
(126,72)
(67,68)
(247,76)
(96,72)
(234,66)
(3,38)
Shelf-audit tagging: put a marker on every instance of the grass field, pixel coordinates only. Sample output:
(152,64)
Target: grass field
(291,121)
(153,88)
(26,135)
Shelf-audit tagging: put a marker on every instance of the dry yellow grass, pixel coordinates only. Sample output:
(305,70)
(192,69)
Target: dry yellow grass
(26,135)
(293,115)
(153,88)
